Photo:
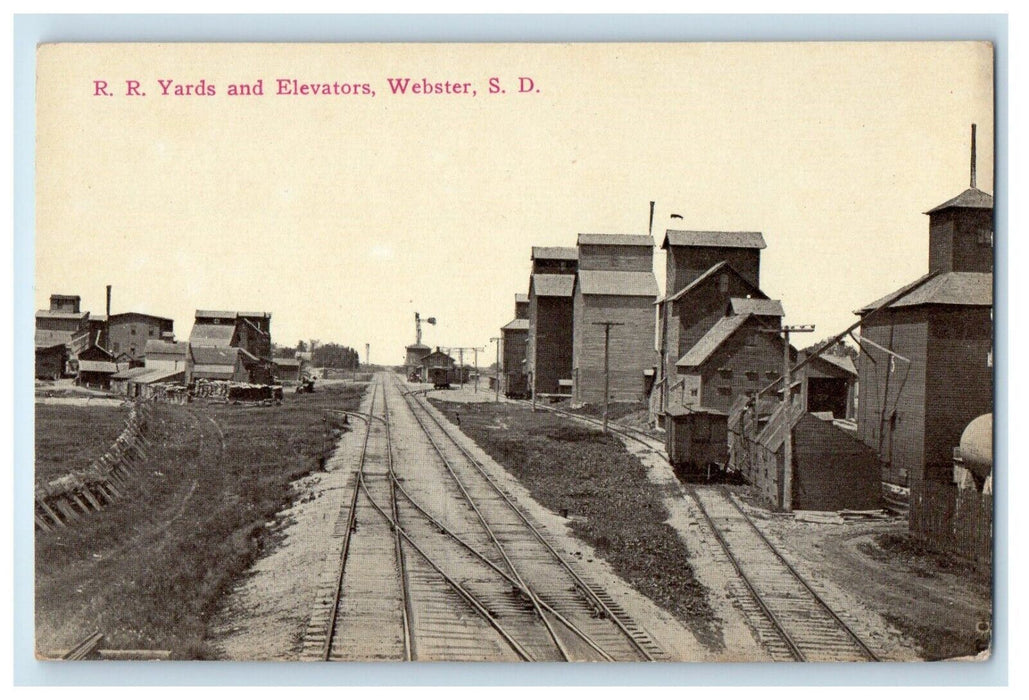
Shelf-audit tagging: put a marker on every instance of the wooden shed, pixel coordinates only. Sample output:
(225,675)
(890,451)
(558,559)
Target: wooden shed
(51,361)
(831,469)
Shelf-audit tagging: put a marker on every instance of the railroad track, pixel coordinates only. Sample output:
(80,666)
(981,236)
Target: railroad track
(792,620)
(408,587)
(583,623)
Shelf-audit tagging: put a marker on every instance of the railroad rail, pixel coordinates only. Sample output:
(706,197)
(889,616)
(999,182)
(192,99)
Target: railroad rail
(798,624)
(589,616)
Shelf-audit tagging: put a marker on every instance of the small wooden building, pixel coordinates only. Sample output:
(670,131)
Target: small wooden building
(96,366)
(831,469)
(51,361)
(414,354)
(288,369)
(615,284)
(165,354)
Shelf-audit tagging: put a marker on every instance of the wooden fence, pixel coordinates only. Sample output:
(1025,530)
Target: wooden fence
(954,520)
(70,497)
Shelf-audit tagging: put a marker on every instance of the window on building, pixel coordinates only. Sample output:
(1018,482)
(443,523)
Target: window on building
(132,331)
(752,374)
(984,237)
(132,350)
(723,283)
(151,332)
(116,347)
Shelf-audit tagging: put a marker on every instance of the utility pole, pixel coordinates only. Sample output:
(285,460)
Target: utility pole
(607,369)
(787,411)
(367,353)
(497,341)
(476,361)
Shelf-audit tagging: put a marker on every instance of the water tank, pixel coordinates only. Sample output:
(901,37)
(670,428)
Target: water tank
(976,447)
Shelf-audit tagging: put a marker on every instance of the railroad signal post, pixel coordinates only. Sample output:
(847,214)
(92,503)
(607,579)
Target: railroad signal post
(607,368)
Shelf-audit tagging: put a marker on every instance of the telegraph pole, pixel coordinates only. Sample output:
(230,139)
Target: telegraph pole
(367,353)
(607,370)
(497,341)
(476,351)
(787,411)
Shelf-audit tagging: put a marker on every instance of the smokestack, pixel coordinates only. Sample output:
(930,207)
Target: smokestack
(973,156)
(651,229)
(107,322)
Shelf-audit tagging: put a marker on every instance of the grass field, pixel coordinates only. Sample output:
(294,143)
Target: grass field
(149,571)
(70,437)
(605,489)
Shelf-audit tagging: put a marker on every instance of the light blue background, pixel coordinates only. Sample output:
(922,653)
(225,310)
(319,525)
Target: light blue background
(30,30)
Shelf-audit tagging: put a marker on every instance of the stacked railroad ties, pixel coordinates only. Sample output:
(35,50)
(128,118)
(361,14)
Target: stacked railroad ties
(714,383)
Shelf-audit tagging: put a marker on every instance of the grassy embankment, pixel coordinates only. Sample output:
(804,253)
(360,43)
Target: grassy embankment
(149,571)
(70,437)
(612,505)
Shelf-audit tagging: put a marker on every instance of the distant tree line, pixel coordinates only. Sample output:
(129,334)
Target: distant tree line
(840,349)
(324,354)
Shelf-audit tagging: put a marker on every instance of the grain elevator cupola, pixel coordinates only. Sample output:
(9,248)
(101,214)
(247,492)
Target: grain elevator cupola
(961,229)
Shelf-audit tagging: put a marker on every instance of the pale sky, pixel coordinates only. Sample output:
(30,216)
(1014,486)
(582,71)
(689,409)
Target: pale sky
(343,215)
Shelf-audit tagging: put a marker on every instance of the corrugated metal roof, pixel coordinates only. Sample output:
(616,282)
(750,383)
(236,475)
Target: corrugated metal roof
(712,340)
(959,288)
(554,253)
(758,307)
(286,361)
(163,347)
(614,239)
(552,285)
(618,283)
(710,272)
(972,198)
(205,334)
(519,324)
(714,239)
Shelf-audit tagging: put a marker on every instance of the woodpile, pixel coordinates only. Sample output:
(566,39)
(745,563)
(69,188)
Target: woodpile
(71,497)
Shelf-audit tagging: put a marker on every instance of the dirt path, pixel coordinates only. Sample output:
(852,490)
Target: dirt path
(911,609)
(266,615)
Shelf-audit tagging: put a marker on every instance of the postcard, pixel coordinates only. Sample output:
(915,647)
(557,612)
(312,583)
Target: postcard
(514,352)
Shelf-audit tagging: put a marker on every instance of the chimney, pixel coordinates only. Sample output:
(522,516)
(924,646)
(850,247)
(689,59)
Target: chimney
(107,322)
(651,228)
(973,157)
